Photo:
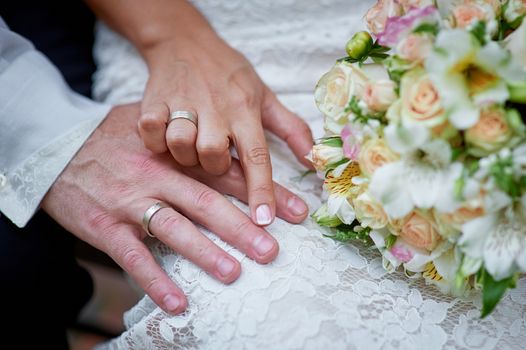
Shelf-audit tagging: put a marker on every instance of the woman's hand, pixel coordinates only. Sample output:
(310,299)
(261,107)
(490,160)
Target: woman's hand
(232,104)
(193,69)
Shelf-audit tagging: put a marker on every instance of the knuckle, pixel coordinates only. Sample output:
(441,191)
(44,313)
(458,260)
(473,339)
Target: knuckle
(204,252)
(132,259)
(241,228)
(244,100)
(153,284)
(100,221)
(212,146)
(205,199)
(263,189)
(179,137)
(167,223)
(151,121)
(144,166)
(258,156)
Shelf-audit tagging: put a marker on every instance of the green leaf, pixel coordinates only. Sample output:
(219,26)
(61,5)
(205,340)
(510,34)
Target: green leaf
(431,28)
(479,32)
(334,141)
(493,291)
(390,241)
(348,233)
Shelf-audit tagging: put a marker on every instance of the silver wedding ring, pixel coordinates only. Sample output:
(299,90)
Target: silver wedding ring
(148,215)
(183,115)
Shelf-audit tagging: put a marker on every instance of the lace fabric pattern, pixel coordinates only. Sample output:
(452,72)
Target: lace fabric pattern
(318,293)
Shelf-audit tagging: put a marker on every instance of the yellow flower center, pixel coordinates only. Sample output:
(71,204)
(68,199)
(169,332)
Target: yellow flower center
(342,184)
(430,272)
(479,80)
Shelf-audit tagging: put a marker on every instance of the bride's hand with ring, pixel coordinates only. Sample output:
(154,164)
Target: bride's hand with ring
(194,72)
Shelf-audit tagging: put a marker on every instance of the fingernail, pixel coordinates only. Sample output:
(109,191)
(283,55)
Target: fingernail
(225,266)
(171,302)
(263,215)
(296,206)
(263,245)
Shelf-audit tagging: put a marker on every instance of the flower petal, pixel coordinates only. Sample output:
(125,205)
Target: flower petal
(500,250)
(389,188)
(424,185)
(474,234)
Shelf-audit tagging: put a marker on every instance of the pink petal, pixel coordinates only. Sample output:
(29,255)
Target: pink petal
(398,27)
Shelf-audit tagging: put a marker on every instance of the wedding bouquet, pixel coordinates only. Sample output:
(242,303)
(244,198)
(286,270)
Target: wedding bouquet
(424,154)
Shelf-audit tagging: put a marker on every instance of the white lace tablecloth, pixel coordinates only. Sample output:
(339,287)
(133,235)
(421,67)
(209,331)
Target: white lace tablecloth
(317,294)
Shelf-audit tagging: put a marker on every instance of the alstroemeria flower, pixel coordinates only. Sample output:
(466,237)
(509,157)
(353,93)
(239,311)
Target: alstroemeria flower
(339,184)
(499,240)
(469,76)
(397,28)
(418,179)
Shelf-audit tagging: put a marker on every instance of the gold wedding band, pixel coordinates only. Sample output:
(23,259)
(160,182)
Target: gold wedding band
(149,213)
(183,115)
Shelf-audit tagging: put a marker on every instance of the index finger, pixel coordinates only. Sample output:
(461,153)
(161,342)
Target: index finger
(254,156)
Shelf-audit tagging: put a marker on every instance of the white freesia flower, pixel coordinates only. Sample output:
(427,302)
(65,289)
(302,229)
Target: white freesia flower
(499,240)
(469,76)
(418,180)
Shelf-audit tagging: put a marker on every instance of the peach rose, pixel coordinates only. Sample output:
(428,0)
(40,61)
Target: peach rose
(420,100)
(374,154)
(491,133)
(369,211)
(465,213)
(415,47)
(469,12)
(379,95)
(420,232)
(377,15)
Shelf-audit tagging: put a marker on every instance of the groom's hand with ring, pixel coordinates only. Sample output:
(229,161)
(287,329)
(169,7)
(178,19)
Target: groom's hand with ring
(115,192)
(203,97)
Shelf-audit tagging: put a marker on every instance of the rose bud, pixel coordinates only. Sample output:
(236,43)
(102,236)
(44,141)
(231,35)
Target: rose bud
(359,46)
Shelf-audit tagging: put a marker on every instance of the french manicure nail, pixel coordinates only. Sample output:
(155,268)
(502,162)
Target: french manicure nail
(171,302)
(263,215)
(225,266)
(262,244)
(296,206)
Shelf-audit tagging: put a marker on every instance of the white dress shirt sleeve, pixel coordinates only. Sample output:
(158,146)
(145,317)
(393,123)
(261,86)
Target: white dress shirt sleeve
(43,124)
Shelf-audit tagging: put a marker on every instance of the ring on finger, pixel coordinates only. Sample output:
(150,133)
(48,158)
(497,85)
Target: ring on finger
(188,115)
(148,215)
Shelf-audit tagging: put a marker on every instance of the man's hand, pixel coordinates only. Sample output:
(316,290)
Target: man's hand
(103,193)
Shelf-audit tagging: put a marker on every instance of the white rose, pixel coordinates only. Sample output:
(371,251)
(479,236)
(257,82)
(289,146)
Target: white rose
(377,15)
(379,95)
(321,156)
(336,88)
